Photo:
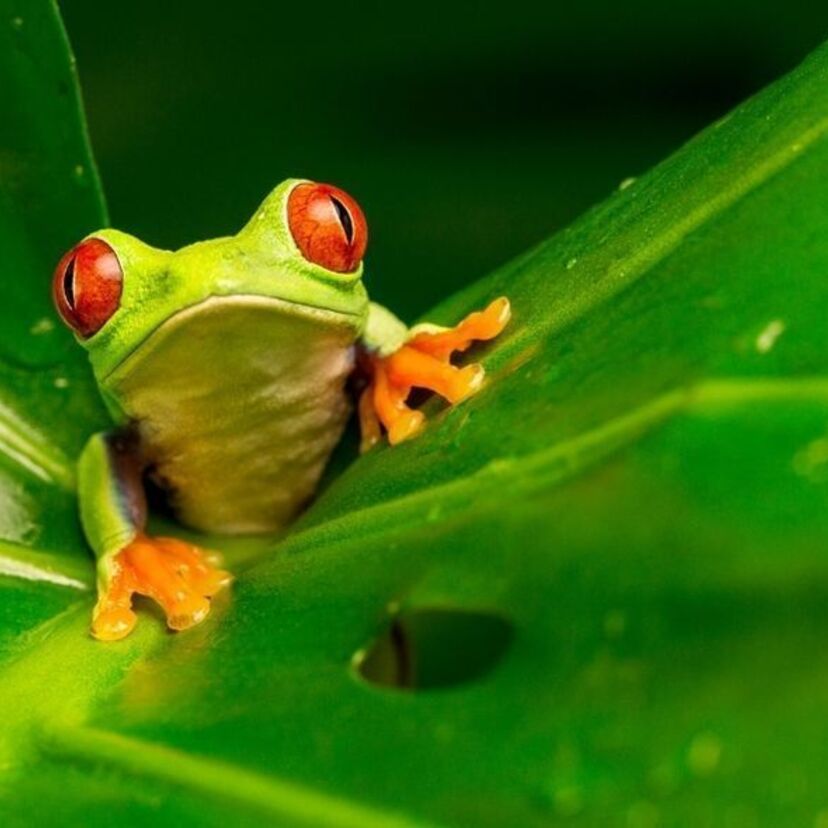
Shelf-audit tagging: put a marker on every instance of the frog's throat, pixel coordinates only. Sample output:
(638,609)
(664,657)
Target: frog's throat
(324,316)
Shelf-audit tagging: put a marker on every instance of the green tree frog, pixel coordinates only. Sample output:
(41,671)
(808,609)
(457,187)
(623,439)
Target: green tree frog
(224,367)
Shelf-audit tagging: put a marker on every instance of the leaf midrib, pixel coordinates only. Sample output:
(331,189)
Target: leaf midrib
(536,471)
(273,796)
(626,272)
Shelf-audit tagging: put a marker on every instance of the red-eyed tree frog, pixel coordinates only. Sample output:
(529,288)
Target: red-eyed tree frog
(224,367)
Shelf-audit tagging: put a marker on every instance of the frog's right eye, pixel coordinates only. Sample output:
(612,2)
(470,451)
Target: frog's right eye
(87,286)
(328,226)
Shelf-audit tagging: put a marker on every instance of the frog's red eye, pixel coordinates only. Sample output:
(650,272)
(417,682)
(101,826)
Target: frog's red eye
(87,286)
(327,226)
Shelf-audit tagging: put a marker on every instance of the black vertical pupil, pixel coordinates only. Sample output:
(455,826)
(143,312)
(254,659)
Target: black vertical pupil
(344,218)
(69,283)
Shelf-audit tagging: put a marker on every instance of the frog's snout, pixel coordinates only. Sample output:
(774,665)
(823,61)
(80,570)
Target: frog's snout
(328,226)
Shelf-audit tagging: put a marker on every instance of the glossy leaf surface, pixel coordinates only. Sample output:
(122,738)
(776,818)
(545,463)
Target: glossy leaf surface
(595,593)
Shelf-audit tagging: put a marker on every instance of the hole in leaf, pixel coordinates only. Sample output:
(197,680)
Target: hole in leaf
(430,649)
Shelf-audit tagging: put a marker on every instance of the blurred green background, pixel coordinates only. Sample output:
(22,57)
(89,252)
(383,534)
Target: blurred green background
(468,131)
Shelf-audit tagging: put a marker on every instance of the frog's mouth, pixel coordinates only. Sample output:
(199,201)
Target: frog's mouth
(231,316)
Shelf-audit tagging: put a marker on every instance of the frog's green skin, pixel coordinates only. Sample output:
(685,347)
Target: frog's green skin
(224,369)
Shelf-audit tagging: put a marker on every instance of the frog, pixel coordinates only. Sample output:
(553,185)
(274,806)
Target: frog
(226,367)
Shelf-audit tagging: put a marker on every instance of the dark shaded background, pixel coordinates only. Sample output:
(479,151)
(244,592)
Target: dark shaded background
(467,131)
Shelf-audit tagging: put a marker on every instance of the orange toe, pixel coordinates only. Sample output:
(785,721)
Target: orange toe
(406,426)
(195,564)
(409,367)
(113,623)
(179,576)
(389,402)
(190,610)
(369,424)
(479,326)
(425,362)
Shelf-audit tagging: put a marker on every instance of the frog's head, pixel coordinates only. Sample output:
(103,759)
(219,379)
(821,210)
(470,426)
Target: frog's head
(303,247)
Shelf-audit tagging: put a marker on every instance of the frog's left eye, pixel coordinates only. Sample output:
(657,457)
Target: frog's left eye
(87,286)
(328,226)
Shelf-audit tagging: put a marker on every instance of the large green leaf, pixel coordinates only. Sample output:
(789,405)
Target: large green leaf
(49,198)
(604,578)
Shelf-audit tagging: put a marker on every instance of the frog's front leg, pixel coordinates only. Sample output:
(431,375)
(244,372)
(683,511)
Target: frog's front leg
(179,576)
(399,359)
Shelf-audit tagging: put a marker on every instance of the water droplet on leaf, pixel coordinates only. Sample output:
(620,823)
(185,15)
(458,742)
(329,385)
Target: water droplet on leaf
(42,326)
(768,336)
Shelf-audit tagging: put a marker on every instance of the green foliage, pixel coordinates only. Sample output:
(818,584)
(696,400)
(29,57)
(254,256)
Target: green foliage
(466,133)
(604,577)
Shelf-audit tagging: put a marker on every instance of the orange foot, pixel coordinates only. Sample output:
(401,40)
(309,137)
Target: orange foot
(425,362)
(178,575)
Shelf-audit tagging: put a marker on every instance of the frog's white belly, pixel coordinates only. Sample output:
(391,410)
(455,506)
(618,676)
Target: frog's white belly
(239,402)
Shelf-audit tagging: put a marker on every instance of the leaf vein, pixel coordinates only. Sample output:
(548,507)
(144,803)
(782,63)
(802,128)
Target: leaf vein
(622,273)
(276,797)
(536,471)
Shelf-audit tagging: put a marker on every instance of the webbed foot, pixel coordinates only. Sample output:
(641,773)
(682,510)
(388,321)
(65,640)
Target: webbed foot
(177,575)
(424,361)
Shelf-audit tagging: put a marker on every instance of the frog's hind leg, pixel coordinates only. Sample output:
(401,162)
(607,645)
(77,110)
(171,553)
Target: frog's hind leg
(423,360)
(177,575)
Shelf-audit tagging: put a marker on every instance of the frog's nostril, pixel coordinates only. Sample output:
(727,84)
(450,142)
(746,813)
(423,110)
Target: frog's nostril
(328,226)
